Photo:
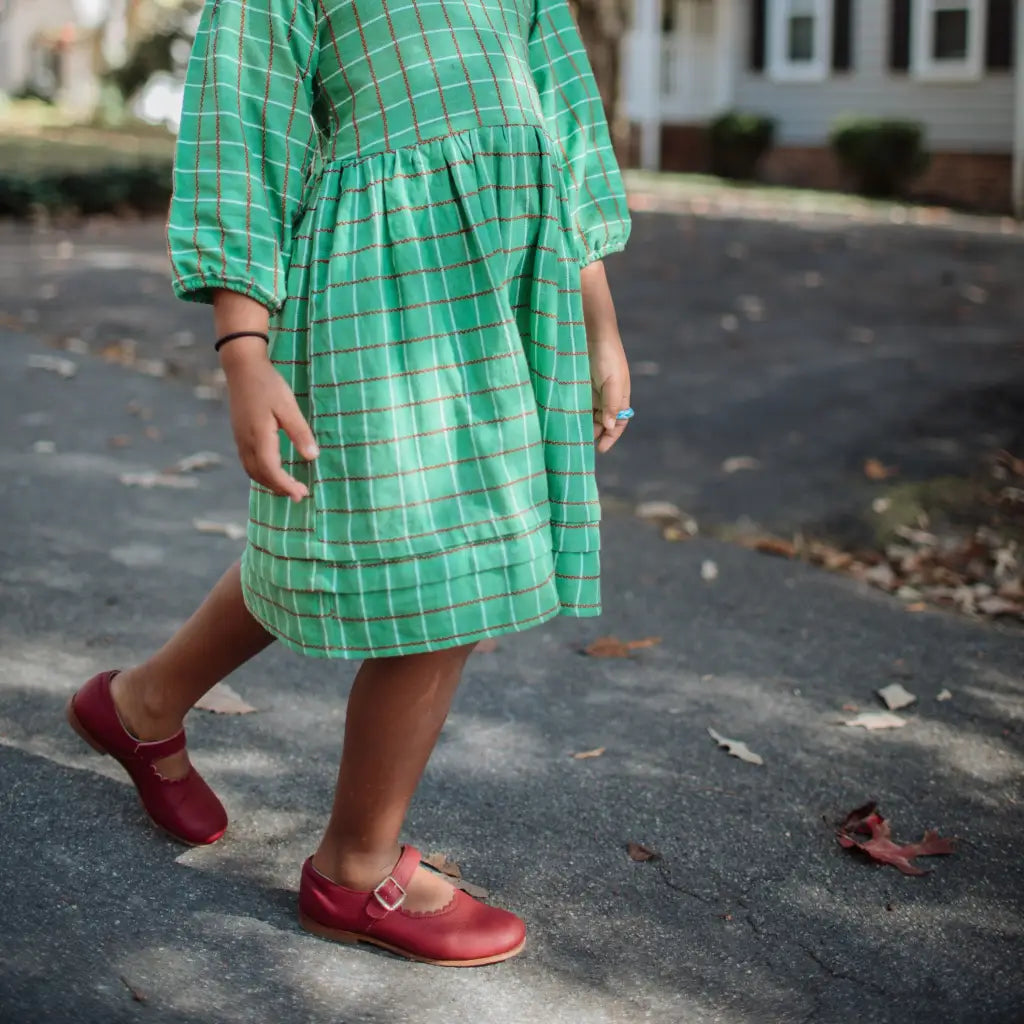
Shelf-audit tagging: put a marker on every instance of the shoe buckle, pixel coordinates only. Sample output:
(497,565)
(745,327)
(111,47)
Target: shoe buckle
(383,900)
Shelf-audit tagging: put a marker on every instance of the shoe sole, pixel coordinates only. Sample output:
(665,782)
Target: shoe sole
(337,935)
(76,724)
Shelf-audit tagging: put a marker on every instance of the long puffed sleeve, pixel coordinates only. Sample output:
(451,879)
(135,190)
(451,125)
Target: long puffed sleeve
(245,147)
(575,117)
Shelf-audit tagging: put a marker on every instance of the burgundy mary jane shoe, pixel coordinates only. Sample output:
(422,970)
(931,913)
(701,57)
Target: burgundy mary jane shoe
(186,809)
(465,933)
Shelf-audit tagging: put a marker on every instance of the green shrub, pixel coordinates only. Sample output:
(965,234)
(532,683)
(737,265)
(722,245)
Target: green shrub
(882,156)
(738,142)
(145,188)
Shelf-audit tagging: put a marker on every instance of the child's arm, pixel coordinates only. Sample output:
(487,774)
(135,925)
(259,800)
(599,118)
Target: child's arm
(609,371)
(575,119)
(247,142)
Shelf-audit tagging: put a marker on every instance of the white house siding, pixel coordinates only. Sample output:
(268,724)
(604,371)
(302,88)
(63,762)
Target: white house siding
(969,116)
(18,27)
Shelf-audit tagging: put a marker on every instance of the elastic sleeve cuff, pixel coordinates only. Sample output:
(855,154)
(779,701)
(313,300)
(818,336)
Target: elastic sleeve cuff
(593,255)
(200,288)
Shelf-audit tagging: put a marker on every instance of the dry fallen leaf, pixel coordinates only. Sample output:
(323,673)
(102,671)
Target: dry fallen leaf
(850,707)
(440,862)
(944,695)
(918,606)
(193,463)
(585,755)
(880,847)
(151,480)
(657,510)
(476,891)
(881,576)
(876,470)
(675,525)
(151,367)
(896,696)
(613,647)
(709,571)
(639,852)
(222,700)
(233,531)
(751,306)
(861,335)
(137,995)
(121,352)
(65,368)
(876,720)
(738,462)
(772,546)
(736,747)
(995,606)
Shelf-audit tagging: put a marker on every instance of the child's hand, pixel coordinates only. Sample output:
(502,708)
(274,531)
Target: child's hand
(609,371)
(609,375)
(261,404)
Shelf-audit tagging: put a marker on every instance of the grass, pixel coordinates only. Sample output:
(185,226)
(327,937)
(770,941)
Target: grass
(703,193)
(36,139)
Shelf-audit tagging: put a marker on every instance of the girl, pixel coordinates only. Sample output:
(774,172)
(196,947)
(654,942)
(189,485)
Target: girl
(398,210)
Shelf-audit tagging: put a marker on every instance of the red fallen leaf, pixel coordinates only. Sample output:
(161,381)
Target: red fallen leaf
(637,851)
(613,647)
(880,847)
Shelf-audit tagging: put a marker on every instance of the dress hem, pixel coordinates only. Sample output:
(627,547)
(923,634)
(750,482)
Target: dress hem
(425,647)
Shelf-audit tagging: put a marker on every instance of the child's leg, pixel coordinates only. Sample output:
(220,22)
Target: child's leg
(395,713)
(154,697)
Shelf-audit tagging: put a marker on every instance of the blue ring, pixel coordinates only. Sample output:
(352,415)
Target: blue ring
(625,414)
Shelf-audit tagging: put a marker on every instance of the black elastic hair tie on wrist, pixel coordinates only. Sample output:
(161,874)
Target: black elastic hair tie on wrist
(220,342)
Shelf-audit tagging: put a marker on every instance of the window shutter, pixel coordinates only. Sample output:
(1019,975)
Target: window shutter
(758,33)
(1000,35)
(899,35)
(842,35)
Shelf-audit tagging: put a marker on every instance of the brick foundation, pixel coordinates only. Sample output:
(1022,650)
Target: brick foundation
(977,181)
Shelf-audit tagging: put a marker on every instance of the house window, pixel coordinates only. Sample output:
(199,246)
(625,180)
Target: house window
(948,38)
(799,40)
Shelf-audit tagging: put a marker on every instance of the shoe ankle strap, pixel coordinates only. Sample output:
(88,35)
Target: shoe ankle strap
(390,894)
(157,749)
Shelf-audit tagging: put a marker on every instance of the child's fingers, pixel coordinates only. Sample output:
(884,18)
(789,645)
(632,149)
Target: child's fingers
(615,398)
(294,424)
(267,470)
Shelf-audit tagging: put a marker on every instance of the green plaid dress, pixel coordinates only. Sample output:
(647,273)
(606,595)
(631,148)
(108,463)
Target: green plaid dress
(411,188)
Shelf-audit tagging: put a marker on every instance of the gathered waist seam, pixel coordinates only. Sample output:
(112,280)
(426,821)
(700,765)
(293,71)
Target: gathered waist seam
(325,162)
(329,158)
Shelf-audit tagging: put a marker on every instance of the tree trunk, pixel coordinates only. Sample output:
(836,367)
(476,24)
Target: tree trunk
(602,24)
